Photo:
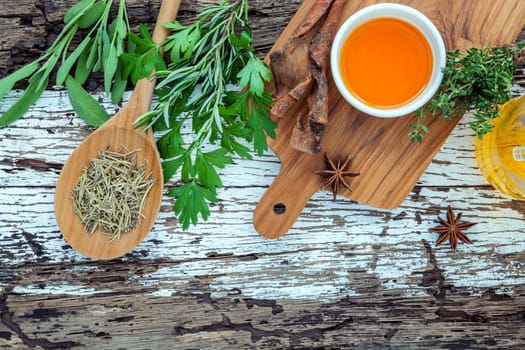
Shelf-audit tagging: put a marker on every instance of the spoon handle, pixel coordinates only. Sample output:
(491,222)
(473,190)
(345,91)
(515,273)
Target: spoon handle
(167,13)
(140,100)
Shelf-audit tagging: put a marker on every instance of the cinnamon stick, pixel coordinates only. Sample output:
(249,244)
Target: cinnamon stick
(308,134)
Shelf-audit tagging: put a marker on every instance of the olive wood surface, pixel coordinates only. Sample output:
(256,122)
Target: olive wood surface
(119,130)
(390,165)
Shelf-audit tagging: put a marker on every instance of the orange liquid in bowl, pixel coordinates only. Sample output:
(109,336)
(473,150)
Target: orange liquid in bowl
(386,62)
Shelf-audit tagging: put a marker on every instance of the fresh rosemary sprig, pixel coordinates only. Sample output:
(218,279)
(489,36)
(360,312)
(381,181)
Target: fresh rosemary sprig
(215,83)
(477,80)
(99,50)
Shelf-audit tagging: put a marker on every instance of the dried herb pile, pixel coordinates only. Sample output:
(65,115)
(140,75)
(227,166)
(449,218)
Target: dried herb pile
(111,192)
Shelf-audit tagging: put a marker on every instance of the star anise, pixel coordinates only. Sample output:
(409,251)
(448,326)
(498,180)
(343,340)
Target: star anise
(452,229)
(335,175)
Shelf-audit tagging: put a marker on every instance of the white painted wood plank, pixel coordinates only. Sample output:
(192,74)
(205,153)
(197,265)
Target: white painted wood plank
(50,132)
(321,249)
(331,245)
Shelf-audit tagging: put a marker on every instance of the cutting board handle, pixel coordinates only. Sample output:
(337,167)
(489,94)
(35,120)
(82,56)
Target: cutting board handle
(285,199)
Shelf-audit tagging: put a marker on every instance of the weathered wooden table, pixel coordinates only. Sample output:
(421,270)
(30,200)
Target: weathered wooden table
(346,276)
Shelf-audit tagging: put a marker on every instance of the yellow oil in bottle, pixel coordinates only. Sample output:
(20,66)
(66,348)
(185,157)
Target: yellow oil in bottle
(501,153)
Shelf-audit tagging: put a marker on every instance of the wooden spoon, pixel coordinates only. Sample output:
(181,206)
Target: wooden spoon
(119,130)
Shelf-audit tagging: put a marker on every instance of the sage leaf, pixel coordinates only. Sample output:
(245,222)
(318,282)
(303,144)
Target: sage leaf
(118,28)
(82,69)
(119,86)
(8,82)
(87,108)
(91,15)
(28,98)
(66,66)
(110,67)
(77,10)
(98,51)
(47,68)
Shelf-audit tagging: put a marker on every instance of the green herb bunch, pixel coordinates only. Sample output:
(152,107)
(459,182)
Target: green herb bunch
(478,80)
(215,83)
(100,49)
(212,80)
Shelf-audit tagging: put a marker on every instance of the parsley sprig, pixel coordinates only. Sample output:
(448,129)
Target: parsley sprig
(477,80)
(214,83)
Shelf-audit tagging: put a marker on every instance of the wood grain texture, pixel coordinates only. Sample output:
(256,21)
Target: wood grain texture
(346,276)
(382,152)
(453,320)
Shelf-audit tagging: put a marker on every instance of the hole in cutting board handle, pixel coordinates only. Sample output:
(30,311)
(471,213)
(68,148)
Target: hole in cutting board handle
(279,208)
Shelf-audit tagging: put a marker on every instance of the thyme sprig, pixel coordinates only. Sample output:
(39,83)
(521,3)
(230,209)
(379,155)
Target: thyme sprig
(215,83)
(477,80)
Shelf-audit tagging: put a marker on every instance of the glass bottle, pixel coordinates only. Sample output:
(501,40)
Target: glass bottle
(501,153)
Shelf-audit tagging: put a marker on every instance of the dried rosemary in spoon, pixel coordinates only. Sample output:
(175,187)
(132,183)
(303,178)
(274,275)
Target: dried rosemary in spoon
(111,192)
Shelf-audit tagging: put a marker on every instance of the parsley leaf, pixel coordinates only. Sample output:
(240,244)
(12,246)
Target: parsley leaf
(191,200)
(253,75)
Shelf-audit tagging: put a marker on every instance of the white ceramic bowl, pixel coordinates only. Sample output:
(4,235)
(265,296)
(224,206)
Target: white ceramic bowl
(407,14)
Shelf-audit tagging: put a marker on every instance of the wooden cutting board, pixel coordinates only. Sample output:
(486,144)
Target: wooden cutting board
(389,164)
